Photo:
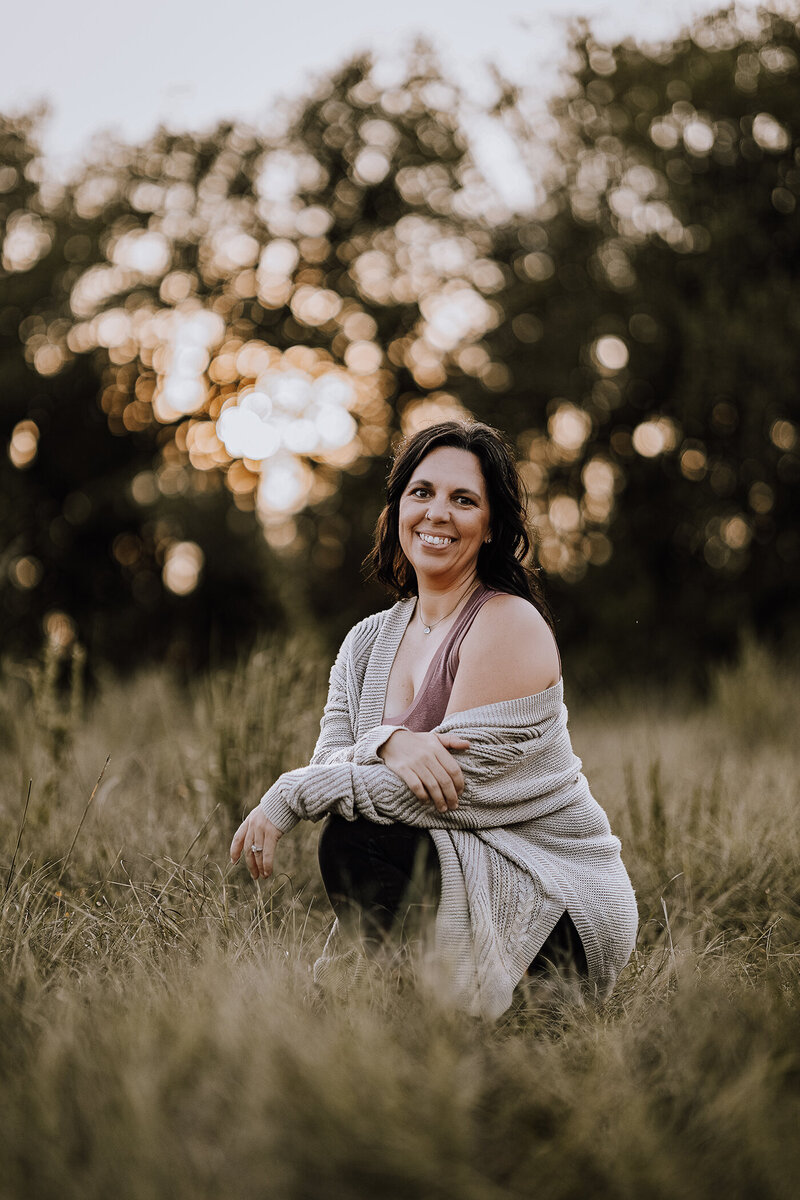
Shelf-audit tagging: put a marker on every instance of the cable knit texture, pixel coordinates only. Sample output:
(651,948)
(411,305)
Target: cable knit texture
(526,842)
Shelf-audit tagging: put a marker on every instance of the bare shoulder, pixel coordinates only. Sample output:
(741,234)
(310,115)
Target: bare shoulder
(508,652)
(512,627)
(500,610)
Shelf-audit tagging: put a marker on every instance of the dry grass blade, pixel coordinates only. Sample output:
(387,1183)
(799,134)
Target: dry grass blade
(19,837)
(86,808)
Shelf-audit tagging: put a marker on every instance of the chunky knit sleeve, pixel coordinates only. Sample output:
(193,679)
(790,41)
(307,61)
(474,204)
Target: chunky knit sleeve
(337,743)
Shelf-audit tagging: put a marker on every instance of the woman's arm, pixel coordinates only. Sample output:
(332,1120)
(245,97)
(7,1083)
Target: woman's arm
(509,774)
(336,741)
(424,763)
(508,653)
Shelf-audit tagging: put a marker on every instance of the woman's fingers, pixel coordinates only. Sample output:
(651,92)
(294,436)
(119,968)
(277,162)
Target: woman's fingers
(451,781)
(266,836)
(454,741)
(432,782)
(440,788)
(445,764)
(237,845)
(257,837)
(414,784)
(447,742)
(252,861)
(454,772)
(426,767)
(264,860)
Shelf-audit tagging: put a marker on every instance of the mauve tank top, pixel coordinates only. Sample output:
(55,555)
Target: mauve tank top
(428,707)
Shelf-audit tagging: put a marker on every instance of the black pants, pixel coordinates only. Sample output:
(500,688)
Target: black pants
(381,878)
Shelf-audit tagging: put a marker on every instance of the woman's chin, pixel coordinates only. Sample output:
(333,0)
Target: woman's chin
(433,567)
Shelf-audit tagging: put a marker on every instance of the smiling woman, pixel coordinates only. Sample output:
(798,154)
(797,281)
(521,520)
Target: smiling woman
(444,520)
(467,801)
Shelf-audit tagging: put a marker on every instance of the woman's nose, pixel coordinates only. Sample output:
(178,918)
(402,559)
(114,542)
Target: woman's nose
(437,510)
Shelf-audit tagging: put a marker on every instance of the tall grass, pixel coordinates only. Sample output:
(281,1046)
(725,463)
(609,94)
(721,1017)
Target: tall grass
(160,1033)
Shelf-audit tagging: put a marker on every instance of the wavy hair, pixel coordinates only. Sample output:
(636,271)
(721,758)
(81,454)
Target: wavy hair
(506,562)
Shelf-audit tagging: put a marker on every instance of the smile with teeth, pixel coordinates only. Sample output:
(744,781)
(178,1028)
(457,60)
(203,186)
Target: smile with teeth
(431,540)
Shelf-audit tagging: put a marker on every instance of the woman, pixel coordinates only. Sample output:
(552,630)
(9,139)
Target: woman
(445,730)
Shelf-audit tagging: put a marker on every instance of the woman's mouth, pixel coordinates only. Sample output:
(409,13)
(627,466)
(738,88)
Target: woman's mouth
(431,539)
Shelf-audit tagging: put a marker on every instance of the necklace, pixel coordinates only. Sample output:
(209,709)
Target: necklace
(427,628)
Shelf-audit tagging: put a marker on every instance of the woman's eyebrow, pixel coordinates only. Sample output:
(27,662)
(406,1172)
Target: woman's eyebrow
(427,483)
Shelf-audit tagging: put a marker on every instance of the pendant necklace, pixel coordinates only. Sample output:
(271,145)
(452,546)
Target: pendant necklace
(427,628)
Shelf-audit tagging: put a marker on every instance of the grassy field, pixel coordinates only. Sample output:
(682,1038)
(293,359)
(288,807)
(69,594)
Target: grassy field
(160,1034)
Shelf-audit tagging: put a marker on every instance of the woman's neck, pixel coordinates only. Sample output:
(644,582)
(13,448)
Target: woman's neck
(434,603)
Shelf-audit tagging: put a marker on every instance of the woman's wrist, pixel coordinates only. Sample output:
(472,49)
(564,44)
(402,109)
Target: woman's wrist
(386,741)
(276,810)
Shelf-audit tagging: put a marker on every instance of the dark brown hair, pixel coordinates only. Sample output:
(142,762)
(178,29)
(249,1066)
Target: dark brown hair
(502,561)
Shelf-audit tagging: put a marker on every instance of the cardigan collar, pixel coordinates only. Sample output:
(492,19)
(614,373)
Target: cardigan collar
(384,652)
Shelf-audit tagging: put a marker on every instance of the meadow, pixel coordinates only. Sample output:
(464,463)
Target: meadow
(161,1035)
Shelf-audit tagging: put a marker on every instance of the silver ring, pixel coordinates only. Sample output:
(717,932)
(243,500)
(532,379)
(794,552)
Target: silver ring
(256,849)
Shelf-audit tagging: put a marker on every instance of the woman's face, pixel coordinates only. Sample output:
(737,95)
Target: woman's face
(444,515)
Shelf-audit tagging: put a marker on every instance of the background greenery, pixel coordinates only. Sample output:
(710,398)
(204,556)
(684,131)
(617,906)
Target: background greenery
(663,468)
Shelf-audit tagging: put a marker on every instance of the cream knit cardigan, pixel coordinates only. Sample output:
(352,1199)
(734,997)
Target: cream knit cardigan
(526,842)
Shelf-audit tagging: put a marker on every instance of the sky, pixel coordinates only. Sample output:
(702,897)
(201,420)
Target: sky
(189,63)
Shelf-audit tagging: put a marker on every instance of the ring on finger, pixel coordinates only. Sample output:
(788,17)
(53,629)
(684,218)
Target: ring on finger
(256,849)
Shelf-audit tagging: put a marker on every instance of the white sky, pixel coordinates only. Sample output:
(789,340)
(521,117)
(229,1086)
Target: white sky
(188,63)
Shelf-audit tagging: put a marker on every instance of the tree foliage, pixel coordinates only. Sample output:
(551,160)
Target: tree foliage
(635,334)
(652,330)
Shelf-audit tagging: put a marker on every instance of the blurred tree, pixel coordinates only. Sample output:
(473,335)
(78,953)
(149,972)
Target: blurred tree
(259,315)
(85,537)
(652,330)
(210,268)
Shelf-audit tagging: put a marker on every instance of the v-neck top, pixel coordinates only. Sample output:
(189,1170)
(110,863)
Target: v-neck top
(428,707)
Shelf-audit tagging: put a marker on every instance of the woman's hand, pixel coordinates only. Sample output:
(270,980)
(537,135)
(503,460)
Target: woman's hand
(258,837)
(423,762)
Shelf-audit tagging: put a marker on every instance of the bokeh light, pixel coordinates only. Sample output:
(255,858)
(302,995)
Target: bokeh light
(28,238)
(59,629)
(183,563)
(770,134)
(655,436)
(24,444)
(25,572)
(693,460)
(610,353)
(784,434)
(423,411)
(569,427)
(288,412)
(189,334)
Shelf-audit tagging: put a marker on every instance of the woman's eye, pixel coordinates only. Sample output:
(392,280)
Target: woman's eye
(418,491)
